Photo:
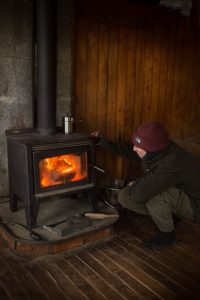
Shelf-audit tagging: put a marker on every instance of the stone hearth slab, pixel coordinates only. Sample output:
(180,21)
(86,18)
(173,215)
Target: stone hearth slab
(53,211)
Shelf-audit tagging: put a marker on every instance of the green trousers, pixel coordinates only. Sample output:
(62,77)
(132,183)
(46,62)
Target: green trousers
(162,207)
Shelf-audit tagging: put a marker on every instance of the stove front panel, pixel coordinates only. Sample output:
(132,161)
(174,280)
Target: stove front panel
(63,168)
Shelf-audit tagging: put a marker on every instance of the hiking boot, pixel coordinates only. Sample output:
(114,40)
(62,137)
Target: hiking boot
(161,240)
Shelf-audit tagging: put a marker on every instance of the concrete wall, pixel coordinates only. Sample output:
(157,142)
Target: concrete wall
(16,71)
(64,58)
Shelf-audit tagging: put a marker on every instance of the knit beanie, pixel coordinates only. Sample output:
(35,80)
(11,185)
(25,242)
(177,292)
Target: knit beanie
(151,137)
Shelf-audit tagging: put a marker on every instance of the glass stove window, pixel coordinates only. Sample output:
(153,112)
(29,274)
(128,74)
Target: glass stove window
(63,169)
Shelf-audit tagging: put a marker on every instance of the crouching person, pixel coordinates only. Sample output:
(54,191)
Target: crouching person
(169,188)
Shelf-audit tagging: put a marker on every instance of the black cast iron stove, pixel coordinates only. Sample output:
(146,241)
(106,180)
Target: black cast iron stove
(45,166)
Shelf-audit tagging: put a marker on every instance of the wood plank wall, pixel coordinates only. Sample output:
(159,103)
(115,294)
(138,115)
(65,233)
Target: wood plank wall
(134,63)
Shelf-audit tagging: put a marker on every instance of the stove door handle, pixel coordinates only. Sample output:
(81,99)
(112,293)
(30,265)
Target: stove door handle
(98,169)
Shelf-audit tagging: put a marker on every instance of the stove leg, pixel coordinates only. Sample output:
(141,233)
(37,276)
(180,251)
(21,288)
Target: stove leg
(13,202)
(31,212)
(93,199)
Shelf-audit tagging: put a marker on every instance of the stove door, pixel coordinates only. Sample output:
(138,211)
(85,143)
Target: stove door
(64,168)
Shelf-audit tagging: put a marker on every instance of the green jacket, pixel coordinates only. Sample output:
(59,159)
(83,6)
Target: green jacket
(172,166)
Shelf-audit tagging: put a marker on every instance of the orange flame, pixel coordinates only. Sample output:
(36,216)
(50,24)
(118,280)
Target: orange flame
(62,169)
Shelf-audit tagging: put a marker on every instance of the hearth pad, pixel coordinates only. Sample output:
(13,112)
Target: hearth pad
(71,228)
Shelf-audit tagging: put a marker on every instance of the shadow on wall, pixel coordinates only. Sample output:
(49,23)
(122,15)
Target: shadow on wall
(191,145)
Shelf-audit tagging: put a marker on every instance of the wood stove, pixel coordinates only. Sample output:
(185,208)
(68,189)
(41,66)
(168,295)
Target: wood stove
(51,165)
(42,161)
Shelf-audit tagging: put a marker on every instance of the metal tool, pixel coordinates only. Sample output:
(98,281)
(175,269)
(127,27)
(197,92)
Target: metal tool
(68,226)
(50,228)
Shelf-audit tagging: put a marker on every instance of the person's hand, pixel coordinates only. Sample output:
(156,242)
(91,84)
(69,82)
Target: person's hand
(95,134)
(131,183)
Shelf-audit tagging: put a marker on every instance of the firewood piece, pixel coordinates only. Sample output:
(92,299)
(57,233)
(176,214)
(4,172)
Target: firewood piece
(100,216)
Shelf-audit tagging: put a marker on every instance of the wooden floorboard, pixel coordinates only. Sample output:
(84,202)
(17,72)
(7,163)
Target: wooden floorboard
(115,268)
(150,267)
(108,272)
(167,269)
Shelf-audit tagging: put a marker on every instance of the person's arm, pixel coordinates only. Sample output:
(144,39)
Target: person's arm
(119,148)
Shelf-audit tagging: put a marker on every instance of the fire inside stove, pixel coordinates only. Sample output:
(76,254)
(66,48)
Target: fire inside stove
(63,169)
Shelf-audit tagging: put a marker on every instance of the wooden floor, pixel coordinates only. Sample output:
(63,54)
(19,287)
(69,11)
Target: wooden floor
(116,268)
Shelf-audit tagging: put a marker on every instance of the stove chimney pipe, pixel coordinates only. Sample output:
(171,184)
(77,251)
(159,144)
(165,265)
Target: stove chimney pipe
(46,41)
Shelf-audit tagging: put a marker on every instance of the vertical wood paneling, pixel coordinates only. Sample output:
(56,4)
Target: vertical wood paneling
(102,76)
(171,76)
(130,92)
(80,108)
(92,77)
(161,54)
(112,92)
(148,76)
(187,116)
(177,79)
(181,90)
(157,67)
(121,93)
(134,64)
(139,79)
(195,86)
(130,83)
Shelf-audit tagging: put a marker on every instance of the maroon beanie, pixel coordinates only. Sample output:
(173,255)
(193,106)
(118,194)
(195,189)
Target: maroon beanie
(151,137)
